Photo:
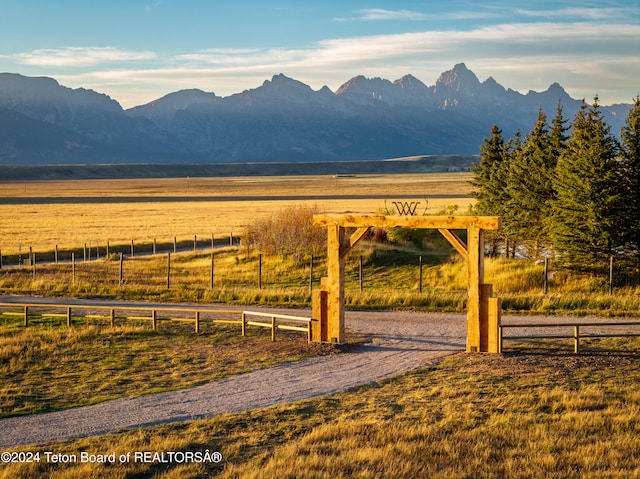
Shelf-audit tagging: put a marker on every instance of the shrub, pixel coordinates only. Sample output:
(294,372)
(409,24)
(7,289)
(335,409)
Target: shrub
(288,232)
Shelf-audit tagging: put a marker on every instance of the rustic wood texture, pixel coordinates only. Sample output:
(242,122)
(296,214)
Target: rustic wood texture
(328,306)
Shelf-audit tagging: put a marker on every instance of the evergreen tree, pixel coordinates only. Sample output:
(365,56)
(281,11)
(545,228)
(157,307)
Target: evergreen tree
(559,133)
(490,182)
(530,187)
(490,175)
(589,207)
(630,137)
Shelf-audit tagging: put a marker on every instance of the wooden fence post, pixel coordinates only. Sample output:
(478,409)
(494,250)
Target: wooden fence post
(212,269)
(420,273)
(108,252)
(56,254)
(84,253)
(121,268)
(360,277)
(611,275)
(195,243)
(546,276)
(155,244)
(73,268)
(133,253)
(168,270)
(273,328)
(260,271)
(197,322)
(175,244)
(69,316)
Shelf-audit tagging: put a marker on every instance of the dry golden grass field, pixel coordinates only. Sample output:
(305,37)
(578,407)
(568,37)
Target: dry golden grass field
(42,214)
(537,412)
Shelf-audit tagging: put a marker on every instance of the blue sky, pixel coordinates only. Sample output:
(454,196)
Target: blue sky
(139,50)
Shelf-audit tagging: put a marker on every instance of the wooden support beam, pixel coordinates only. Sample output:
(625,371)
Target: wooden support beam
(436,222)
(334,284)
(352,240)
(495,306)
(475,269)
(456,242)
(482,313)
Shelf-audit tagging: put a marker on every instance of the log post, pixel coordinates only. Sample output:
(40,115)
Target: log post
(475,270)
(328,304)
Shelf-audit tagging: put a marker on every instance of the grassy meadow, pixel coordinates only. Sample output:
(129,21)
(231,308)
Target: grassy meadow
(527,414)
(52,368)
(390,280)
(73,213)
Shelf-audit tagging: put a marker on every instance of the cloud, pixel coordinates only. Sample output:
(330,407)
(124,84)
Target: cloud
(585,58)
(575,13)
(79,57)
(382,14)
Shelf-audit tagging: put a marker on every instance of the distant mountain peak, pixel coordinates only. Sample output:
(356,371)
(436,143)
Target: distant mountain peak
(557,89)
(459,80)
(281,81)
(165,108)
(409,82)
(282,119)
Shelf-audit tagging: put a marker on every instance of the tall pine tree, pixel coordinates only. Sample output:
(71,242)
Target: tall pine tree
(630,137)
(490,175)
(530,187)
(589,208)
(490,181)
(559,133)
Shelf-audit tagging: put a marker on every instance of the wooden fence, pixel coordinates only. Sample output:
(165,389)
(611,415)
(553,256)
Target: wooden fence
(276,323)
(572,330)
(154,315)
(95,250)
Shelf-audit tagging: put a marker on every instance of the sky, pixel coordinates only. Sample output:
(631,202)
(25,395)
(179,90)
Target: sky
(136,51)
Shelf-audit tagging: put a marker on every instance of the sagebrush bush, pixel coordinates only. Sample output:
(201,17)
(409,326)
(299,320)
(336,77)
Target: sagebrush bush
(288,232)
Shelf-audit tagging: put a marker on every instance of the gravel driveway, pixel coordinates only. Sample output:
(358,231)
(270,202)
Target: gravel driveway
(402,341)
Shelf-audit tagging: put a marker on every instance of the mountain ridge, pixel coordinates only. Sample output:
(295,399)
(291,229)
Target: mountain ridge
(282,120)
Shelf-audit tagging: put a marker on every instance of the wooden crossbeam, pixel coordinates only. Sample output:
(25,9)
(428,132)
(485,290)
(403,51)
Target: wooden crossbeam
(456,242)
(437,222)
(482,309)
(352,240)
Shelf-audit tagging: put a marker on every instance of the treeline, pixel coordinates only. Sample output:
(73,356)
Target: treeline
(569,191)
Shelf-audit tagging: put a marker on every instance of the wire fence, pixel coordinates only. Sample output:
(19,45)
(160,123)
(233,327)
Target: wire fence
(221,261)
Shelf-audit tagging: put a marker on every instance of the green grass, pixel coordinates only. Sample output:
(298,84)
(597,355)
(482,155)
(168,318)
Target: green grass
(524,415)
(47,368)
(390,281)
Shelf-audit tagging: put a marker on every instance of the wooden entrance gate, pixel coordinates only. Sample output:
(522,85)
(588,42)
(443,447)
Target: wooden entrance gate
(483,310)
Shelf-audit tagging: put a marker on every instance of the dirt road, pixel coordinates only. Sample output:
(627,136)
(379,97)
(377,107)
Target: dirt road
(402,341)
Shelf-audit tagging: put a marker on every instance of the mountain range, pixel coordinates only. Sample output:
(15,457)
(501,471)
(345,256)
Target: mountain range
(283,120)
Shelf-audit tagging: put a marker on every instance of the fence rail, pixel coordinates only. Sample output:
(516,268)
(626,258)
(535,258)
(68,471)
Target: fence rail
(273,324)
(154,314)
(575,326)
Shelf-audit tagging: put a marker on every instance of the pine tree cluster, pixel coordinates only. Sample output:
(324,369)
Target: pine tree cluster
(569,192)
